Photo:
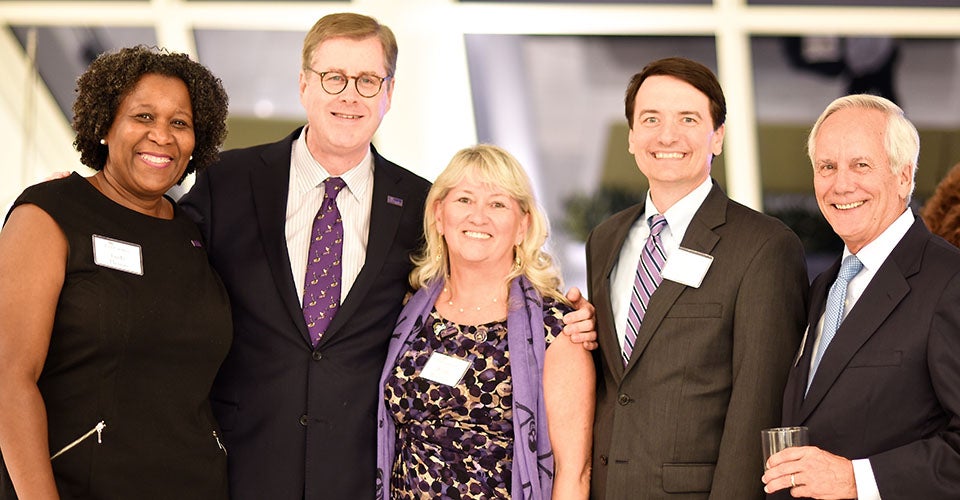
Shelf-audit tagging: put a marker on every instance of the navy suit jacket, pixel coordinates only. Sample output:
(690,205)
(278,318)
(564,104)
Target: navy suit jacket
(298,422)
(888,386)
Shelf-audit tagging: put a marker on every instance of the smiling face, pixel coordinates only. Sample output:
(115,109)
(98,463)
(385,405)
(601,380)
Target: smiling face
(481,224)
(672,138)
(857,191)
(341,126)
(151,138)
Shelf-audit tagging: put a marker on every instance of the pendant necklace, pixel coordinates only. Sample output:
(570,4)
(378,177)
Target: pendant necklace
(481,333)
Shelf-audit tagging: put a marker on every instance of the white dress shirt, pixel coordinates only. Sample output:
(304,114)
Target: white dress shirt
(304,198)
(873,255)
(621,278)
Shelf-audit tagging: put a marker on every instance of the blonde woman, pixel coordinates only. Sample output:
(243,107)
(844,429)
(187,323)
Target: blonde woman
(479,384)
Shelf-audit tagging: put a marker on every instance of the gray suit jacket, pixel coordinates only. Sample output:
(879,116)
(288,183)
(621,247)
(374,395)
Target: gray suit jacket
(298,422)
(888,387)
(683,419)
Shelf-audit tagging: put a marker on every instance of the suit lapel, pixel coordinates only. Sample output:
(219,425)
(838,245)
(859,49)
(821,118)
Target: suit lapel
(385,215)
(886,290)
(797,379)
(612,348)
(270,185)
(700,236)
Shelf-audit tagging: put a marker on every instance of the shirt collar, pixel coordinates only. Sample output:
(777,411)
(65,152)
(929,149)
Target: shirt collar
(681,213)
(307,173)
(876,252)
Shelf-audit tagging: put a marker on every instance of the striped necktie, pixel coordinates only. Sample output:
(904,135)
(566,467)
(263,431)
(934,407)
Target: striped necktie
(645,282)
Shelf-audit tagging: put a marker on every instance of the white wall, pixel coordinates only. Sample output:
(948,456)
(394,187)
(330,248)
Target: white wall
(34,136)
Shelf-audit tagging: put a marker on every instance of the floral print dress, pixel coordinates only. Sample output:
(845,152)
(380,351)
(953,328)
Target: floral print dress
(457,441)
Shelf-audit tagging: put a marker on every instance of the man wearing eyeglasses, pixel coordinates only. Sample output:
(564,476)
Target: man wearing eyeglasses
(313,227)
(296,406)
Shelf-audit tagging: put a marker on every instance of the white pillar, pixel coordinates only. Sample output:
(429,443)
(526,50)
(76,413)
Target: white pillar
(35,138)
(735,71)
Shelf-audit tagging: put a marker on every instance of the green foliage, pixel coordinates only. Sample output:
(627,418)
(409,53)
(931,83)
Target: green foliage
(813,230)
(584,212)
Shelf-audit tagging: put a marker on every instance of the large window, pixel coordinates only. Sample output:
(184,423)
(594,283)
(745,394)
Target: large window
(544,79)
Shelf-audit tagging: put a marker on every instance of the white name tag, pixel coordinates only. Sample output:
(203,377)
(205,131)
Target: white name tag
(116,254)
(687,267)
(443,369)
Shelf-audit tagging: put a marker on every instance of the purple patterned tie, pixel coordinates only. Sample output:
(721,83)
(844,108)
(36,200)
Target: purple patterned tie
(321,286)
(645,282)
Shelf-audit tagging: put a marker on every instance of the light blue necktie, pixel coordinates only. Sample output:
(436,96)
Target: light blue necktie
(833,314)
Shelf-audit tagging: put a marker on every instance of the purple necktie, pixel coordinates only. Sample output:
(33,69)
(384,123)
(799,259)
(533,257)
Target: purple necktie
(321,286)
(645,282)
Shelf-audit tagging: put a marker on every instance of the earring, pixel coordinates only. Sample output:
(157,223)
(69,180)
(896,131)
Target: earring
(439,255)
(517,261)
(191,157)
(103,142)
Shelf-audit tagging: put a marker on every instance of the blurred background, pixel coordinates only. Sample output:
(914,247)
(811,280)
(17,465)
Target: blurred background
(543,79)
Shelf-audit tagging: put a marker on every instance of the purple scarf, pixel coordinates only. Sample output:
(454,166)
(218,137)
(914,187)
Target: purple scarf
(532,456)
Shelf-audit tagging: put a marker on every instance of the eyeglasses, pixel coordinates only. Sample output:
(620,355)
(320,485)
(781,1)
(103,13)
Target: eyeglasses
(334,82)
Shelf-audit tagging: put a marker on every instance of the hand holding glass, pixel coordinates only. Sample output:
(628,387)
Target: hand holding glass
(778,438)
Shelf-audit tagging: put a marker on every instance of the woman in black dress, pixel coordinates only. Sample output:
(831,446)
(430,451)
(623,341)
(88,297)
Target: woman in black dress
(112,322)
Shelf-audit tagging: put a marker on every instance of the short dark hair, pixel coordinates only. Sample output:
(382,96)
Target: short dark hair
(692,72)
(113,75)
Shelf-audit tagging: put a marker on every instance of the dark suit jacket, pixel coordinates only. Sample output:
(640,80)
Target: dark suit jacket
(683,419)
(888,387)
(299,422)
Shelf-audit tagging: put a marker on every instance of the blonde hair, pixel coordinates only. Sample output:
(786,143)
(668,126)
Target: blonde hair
(901,140)
(494,167)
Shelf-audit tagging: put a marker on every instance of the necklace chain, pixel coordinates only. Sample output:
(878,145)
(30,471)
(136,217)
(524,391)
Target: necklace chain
(450,303)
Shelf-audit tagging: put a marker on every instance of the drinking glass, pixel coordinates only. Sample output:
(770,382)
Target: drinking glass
(778,438)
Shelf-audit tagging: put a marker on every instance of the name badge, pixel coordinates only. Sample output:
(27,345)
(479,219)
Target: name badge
(687,267)
(443,369)
(116,254)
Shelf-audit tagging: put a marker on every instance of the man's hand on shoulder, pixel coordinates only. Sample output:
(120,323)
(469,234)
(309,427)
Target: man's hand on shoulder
(580,324)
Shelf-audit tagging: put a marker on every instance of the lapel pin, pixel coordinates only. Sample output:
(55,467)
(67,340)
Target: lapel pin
(393,200)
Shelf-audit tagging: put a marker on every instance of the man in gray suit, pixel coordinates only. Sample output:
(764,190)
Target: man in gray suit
(698,313)
(876,380)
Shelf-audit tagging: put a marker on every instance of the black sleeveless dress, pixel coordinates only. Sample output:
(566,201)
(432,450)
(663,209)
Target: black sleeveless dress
(132,355)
